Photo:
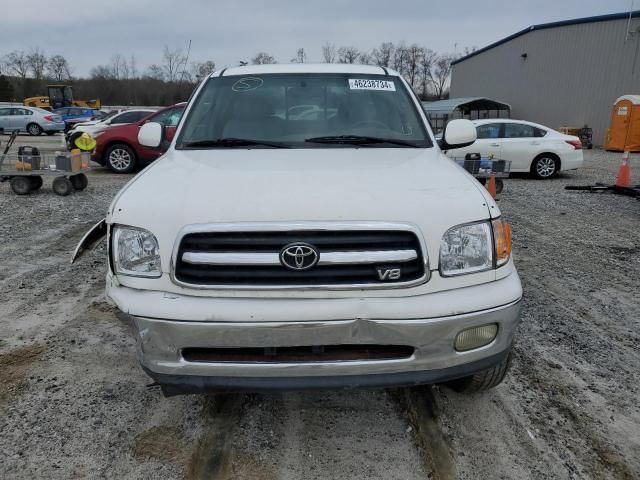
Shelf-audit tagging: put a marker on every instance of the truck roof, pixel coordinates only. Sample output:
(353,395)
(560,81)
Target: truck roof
(305,68)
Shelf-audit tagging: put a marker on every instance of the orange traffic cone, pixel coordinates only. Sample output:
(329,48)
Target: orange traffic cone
(492,186)
(624,172)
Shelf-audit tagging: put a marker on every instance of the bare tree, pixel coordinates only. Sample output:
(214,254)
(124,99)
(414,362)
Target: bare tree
(58,68)
(400,58)
(37,62)
(382,55)
(469,50)
(16,62)
(348,55)
(426,64)
(174,61)
(329,53)
(201,70)
(102,71)
(133,69)
(440,73)
(155,71)
(365,58)
(301,56)
(414,54)
(263,58)
(119,67)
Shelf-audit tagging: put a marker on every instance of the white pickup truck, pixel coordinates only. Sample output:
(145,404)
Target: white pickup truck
(304,229)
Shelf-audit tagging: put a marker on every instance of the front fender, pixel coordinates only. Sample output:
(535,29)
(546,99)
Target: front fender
(90,239)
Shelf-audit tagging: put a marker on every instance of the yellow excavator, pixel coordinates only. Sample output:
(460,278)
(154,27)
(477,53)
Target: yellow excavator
(60,96)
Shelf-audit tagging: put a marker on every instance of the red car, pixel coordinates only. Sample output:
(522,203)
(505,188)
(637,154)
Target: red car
(118,148)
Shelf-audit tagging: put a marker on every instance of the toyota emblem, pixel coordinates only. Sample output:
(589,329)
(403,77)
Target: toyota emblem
(299,256)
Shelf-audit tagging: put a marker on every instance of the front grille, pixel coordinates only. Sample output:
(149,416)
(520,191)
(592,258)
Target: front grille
(345,257)
(320,353)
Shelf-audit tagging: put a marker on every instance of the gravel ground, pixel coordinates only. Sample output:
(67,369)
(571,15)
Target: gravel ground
(75,404)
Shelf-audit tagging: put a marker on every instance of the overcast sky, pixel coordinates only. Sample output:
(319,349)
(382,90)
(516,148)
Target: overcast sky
(90,32)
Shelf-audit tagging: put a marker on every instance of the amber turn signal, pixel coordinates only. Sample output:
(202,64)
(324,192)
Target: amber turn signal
(502,241)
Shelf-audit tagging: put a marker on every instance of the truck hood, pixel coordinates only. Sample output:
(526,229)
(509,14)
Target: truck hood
(417,186)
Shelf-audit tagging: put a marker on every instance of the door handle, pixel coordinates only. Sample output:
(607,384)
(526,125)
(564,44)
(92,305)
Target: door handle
(494,144)
(535,143)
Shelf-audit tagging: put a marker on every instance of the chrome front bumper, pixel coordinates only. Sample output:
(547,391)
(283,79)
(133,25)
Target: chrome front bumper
(160,343)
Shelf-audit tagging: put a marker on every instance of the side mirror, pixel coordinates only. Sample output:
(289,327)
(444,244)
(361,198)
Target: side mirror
(458,134)
(150,135)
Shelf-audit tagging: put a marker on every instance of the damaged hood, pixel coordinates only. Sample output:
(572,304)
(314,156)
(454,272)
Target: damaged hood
(417,186)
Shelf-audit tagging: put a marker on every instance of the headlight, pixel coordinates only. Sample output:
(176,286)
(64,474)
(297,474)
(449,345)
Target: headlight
(135,252)
(472,248)
(466,249)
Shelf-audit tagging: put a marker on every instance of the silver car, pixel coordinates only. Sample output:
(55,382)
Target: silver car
(32,120)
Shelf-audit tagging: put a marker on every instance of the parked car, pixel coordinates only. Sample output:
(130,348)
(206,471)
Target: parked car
(32,120)
(117,118)
(530,147)
(118,147)
(73,115)
(263,251)
(102,114)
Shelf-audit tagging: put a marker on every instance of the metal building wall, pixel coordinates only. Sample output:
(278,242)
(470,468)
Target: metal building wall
(572,74)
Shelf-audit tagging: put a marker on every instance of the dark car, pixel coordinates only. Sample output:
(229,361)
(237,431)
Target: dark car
(118,147)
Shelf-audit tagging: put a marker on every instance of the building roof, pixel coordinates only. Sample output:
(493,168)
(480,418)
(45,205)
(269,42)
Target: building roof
(543,26)
(306,68)
(464,104)
(635,99)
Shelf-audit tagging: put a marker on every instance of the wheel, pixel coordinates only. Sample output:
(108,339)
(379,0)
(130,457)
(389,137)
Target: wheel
(499,185)
(121,158)
(483,380)
(21,185)
(36,182)
(62,186)
(34,129)
(79,181)
(545,166)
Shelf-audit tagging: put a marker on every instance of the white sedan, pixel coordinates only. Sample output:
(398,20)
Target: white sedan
(530,147)
(117,118)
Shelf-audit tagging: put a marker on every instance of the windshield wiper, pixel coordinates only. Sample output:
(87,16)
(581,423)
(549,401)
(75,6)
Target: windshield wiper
(233,142)
(360,140)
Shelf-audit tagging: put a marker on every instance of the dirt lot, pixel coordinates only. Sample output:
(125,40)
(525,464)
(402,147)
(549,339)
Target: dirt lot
(75,404)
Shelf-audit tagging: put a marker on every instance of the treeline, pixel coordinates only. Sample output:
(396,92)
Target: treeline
(121,82)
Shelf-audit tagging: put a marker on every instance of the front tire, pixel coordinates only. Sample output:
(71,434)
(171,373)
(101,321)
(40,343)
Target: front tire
(545,166)
(483,380)
(21,185)
(79,181)
(62,186)
(34,129)
(120,158)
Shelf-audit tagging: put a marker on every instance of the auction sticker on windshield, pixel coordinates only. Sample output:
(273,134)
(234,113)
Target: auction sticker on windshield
(366,84)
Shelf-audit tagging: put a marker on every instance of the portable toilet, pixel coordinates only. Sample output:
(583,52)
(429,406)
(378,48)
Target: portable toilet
(624,131)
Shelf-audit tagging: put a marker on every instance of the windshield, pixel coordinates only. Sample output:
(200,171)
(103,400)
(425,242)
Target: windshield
(107,115)
(303,111)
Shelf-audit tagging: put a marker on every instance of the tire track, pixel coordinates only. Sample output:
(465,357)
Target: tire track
(420,407)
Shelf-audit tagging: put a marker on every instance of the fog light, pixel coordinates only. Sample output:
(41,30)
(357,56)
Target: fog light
(476,337)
